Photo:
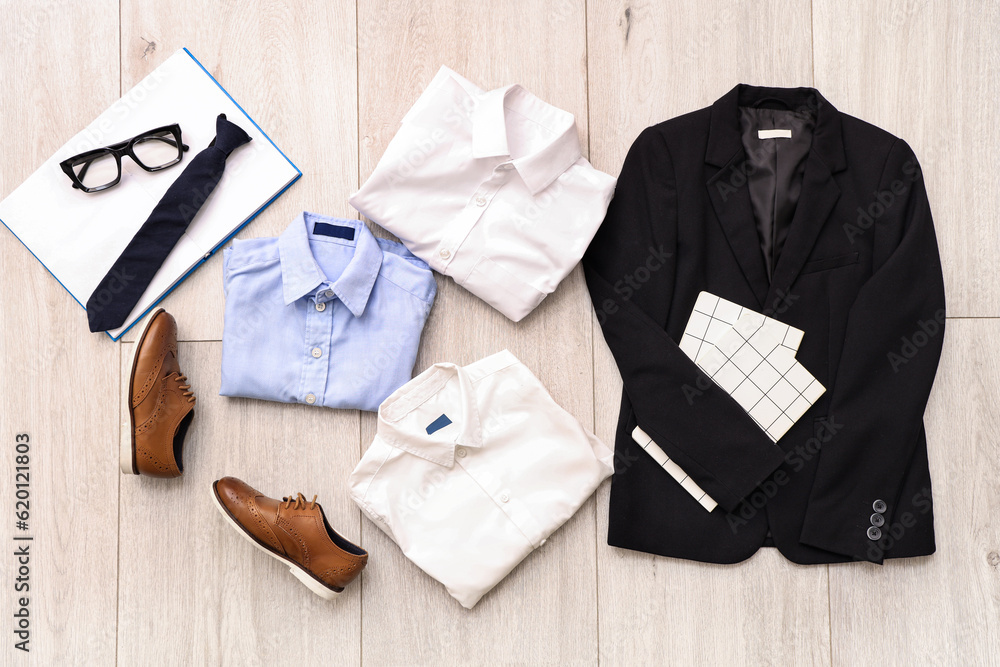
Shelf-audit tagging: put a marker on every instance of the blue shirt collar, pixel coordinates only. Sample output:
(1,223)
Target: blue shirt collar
(300,273)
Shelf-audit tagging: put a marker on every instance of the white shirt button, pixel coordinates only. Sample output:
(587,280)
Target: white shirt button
(310,398)
(506,166)
(317,353)
(460,452)
(445,253)
(328,294)
(480,201)
(321,307)
(504,498)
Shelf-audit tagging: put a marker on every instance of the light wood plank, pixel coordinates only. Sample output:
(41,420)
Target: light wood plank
(650,62)
(545,611)
(929,72)
(925,72)
(292,66)
(943,609)
(57,381)
(195,590)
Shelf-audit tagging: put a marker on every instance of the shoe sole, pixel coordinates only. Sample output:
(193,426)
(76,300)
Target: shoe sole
(126,448)
(303,575)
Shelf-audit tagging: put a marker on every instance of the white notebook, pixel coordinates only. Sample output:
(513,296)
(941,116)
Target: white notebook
(78,236)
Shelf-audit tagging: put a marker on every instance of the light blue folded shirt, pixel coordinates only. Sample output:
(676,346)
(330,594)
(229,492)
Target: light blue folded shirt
(325,314)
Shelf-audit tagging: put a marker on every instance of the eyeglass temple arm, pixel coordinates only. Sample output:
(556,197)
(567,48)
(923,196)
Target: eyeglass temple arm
(184,146)
(172,142)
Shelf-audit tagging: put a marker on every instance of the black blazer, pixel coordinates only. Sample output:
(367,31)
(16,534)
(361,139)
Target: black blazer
(829,231)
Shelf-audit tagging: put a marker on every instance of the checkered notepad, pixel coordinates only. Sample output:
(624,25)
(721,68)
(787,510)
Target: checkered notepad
(752,357)
(713,316)
(754,364)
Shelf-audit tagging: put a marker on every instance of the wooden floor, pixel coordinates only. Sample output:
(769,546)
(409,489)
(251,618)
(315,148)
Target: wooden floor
(137,571)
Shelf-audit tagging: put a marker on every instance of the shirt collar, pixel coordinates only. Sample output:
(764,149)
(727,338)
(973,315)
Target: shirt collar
(301,274)
(541,167)
(415,393)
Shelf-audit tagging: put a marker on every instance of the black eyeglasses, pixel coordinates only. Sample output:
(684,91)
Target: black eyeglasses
(101,168)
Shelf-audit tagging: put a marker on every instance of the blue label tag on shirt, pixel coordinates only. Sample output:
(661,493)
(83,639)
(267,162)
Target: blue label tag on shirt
(336,231)
(438,424)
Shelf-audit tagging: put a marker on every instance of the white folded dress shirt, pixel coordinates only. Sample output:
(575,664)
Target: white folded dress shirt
(474,467)
(489,188)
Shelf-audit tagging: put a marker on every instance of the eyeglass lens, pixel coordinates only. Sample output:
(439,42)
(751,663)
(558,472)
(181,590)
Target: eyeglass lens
(97,170)
(157,150)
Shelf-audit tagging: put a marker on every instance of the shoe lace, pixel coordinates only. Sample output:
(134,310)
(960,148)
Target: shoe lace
(299,502)
(185,387)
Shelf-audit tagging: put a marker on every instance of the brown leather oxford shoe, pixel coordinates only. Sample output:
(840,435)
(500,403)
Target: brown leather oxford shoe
(161,402)
(294,531)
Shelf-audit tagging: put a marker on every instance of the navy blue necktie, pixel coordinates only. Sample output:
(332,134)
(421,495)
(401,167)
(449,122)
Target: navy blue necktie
(123,286)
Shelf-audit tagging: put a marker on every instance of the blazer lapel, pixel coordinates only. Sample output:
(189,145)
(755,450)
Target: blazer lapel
(819,194)
(817,199)
(728,191)
(730,195)
(731,200)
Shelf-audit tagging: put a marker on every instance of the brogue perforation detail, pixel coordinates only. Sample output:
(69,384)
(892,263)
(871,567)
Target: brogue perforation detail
(154,461)
(168,348)
(336,570)
(286,526)
(161,405)
(150,378)
(262,524)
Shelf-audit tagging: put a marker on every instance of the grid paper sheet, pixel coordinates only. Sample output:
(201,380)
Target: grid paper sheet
(713,316)
(759,370)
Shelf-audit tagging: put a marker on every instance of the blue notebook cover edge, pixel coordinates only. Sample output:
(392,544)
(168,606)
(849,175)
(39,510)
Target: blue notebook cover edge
(210,252)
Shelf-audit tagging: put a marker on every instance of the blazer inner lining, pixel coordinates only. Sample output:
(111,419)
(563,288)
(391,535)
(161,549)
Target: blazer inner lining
(775,168)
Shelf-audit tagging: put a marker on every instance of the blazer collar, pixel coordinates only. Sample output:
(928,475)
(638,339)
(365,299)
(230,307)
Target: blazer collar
(549,152)
(414,437)
(301,274)
(730,195)
(724,140)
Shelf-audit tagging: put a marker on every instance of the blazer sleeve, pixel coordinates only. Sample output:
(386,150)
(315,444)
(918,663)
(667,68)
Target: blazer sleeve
(895,331)
(630,272)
